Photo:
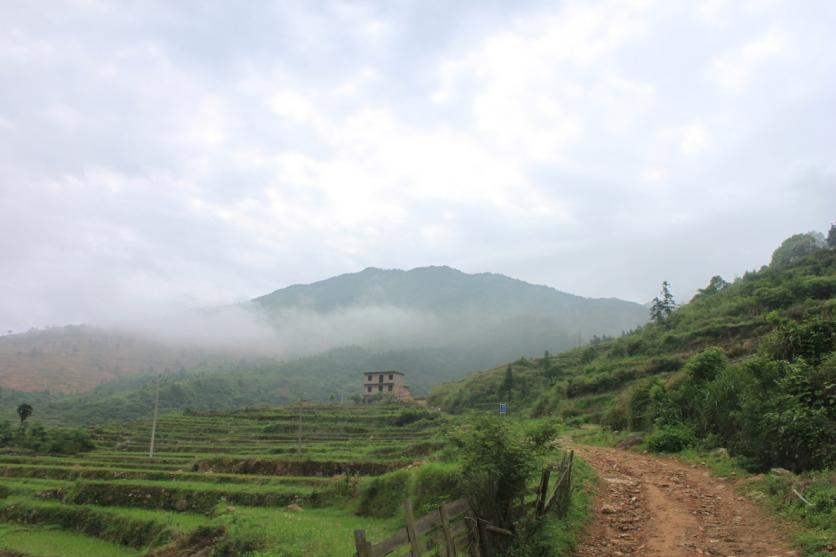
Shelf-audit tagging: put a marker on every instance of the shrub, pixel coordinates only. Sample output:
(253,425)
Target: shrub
(411,415)
(498,460)
(435,484)
(383,496)
(615,418)
(69,441)
(671,438)
(707,364)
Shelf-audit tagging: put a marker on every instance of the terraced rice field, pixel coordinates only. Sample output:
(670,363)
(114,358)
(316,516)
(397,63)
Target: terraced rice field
(215,479)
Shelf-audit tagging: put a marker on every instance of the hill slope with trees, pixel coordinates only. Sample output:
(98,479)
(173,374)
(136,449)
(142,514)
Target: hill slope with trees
(747,365)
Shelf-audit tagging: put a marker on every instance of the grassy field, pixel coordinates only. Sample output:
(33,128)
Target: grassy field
(271,481)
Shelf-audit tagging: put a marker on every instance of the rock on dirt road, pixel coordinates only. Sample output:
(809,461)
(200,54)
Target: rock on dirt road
(657,507)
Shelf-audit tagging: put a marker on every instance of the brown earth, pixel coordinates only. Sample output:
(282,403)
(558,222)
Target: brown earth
(77,358)
(657,507)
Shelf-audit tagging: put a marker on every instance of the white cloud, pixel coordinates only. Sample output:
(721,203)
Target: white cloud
(161,150)
(735,71)
(694,139)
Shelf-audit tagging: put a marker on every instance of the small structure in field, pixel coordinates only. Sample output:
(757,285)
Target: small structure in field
(385,384)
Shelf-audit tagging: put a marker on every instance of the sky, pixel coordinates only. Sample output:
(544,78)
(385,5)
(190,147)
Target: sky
(157,154)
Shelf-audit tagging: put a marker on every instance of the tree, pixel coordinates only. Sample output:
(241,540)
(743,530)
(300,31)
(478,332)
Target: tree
(507,382)
(498,461)
(831,239)
(796,247)
(716,284)
(662,308)
(24,411)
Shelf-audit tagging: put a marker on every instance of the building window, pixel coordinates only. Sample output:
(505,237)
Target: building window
(390,377)
(380,378)
(370,378)
(380,388)
(390,387)
(370,388)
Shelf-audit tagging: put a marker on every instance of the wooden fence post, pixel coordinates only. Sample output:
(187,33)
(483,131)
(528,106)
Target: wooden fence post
(470,521)
(414,542)
(566,487)
(448,534)
(543,491)
(486,542)
(363,547)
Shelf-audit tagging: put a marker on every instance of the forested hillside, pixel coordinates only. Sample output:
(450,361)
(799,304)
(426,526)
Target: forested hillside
(748,366)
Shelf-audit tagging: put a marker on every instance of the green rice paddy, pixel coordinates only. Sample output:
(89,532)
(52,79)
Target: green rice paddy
(264,478)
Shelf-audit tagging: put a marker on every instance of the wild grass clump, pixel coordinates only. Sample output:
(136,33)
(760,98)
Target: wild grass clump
(814,517)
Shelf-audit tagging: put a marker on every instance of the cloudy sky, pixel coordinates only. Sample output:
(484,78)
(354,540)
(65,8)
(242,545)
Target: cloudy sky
(197,153)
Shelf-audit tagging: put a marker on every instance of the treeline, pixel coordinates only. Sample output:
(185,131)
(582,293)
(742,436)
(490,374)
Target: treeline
(39,439)
(335,375)
(746,365)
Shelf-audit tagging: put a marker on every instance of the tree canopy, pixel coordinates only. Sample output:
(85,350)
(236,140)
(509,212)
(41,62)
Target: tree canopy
(24,411)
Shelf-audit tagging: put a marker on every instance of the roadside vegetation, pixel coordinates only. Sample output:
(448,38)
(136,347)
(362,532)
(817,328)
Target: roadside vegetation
(746,368)
(747,365)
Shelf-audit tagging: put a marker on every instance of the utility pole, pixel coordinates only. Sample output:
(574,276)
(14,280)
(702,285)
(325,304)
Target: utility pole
(299,430)
(154,422)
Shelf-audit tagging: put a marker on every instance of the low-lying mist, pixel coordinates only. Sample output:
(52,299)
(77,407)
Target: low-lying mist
(292,332)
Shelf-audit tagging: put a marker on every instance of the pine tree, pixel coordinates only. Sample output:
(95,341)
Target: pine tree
(662,308)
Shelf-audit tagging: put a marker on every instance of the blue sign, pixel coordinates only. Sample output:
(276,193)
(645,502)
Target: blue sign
(502,409)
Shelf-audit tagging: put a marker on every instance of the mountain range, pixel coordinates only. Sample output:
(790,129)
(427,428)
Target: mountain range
(433,323)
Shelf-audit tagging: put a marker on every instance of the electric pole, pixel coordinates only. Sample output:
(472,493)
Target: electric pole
(299,430)
(154,422)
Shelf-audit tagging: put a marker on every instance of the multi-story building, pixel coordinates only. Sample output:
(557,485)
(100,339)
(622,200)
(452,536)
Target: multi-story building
(385,383)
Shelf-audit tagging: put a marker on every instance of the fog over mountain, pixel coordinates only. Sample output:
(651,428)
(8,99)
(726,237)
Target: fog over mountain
(477,320)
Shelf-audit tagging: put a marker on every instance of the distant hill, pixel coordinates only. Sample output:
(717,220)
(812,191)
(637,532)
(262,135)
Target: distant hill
(77,358)
(484,318)
(433,322)
(447,291)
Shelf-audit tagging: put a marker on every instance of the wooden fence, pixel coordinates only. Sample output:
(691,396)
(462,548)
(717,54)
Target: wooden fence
(447,531)
(455,529)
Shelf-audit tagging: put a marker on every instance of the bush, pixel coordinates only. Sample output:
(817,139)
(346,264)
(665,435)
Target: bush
(435,484)
(498,460)
(671,439)
(411,415)
(69,441)
(707,364)
(383,496)
(615,418)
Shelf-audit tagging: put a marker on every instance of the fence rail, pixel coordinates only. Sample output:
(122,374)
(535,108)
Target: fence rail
(456,529)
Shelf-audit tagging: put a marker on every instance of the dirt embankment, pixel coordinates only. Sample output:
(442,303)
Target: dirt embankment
(656,507)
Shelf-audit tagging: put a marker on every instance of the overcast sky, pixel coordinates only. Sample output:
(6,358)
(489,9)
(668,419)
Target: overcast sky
(198,153)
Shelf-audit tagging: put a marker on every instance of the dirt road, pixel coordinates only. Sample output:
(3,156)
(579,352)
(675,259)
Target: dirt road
(657,507)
